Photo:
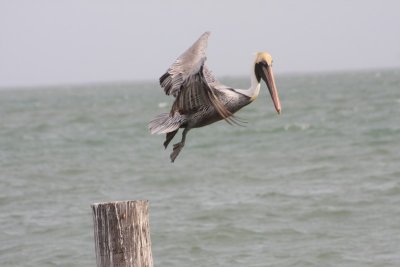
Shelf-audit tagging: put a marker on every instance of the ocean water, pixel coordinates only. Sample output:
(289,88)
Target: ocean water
(318,185)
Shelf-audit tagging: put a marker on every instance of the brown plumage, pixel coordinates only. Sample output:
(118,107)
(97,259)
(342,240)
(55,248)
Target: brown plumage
(200,99)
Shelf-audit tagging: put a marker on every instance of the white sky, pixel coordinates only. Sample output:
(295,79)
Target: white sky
(46,42)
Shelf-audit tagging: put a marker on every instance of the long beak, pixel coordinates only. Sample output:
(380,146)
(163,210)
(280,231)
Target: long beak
(268,77)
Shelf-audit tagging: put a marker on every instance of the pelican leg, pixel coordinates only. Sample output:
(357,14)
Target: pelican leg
(169,137)
(178,146)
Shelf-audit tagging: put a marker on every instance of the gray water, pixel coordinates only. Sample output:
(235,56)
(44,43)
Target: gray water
(316,186)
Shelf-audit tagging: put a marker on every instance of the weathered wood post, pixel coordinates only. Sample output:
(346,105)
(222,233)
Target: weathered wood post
(122,234)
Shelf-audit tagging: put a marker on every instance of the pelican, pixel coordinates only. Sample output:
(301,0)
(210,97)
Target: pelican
(200,99)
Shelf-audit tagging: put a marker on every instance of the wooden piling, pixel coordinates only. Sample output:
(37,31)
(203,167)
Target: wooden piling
(122,234)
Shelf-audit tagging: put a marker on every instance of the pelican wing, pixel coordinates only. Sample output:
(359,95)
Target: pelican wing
(185,65)
(193,84)
(196,94)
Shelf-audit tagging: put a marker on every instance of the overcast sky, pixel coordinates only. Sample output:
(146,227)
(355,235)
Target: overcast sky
(47,42)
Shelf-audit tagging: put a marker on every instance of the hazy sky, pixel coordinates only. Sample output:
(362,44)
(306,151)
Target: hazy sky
(46,42)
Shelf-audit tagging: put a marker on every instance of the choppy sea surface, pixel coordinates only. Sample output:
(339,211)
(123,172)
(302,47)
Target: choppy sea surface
(318,185)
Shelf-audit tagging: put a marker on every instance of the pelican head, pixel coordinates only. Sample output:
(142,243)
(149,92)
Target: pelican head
(263,70)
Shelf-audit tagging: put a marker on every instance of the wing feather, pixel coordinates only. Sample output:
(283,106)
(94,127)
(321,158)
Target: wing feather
(184,66)
(192,83)
(196,93)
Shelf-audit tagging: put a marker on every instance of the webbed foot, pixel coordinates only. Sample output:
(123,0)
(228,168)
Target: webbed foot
(177,149)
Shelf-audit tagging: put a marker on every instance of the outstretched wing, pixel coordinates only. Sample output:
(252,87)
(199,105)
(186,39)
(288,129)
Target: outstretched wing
(185,65)
(190,81)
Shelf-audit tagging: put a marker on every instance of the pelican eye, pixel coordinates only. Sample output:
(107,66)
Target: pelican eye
(265,63)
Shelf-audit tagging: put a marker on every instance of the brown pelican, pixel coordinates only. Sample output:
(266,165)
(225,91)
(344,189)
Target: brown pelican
(200,99)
